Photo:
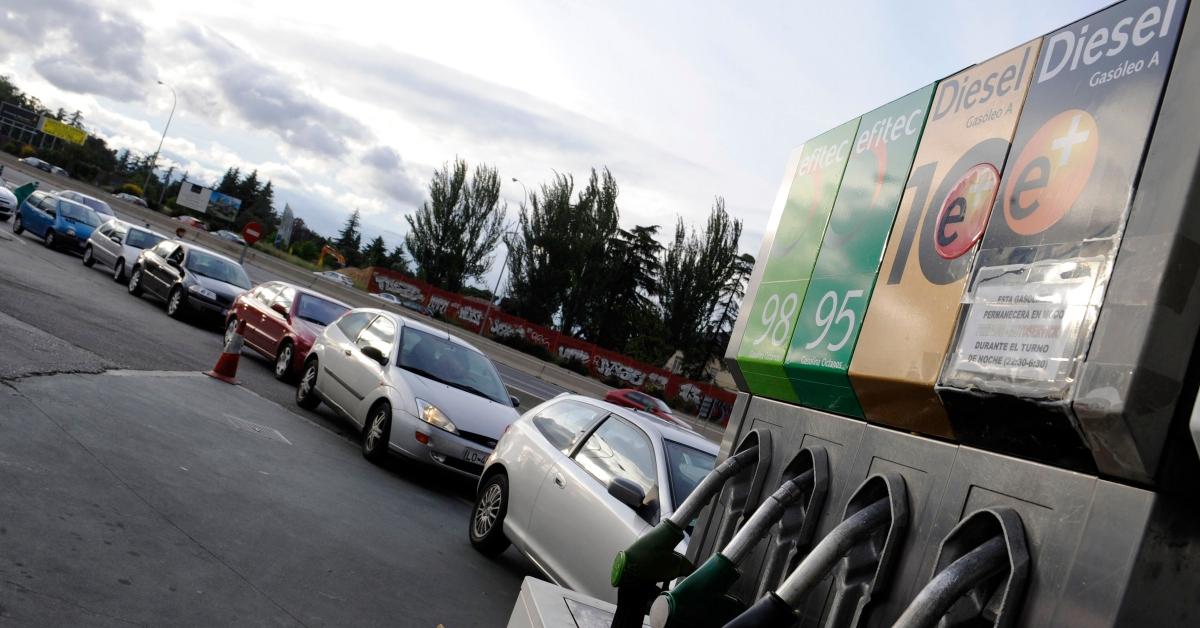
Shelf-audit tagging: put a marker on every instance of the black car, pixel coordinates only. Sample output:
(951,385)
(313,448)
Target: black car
(189,278)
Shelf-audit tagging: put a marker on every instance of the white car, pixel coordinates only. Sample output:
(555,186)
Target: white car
(335,277)
(576,480)
(8,204)
(386,297)
(412,388)
(117,244)
(97,205)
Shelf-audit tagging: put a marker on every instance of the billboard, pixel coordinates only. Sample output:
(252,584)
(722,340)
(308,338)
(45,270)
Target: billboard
(62,130)
(910,318)
(844,275)
(787,267)
(1056,226)
(205,200)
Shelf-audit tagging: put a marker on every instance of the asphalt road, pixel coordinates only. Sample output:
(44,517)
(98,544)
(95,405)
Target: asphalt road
(101,404)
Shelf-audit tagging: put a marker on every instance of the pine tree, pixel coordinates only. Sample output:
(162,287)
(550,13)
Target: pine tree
(375,253)
(349,239)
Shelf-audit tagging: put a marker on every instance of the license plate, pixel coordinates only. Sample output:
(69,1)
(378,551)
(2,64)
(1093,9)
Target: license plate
(474,456)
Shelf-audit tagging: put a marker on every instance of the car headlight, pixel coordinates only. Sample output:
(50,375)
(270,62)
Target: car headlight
(202,291)
(71,232)
(430,414)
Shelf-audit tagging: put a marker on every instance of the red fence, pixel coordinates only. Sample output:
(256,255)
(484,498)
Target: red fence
(712,403)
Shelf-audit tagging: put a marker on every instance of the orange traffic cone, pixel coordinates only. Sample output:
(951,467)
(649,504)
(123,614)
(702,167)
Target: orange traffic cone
(227,364)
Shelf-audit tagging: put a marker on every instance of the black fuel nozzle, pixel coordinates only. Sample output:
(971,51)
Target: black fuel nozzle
(980,572)
(639,572)
(875,518)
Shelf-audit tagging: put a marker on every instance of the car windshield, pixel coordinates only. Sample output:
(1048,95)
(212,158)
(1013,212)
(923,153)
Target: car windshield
(139,239)
(449,363)
(214,267)
(686,466)
(79,213)
(318,310)
(96,204)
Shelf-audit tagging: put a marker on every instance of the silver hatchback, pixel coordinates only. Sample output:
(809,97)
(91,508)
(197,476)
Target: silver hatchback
(575,480)
(117,244)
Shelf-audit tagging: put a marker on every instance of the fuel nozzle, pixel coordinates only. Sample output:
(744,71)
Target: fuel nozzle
(701,600)
(869,534)
(652,559)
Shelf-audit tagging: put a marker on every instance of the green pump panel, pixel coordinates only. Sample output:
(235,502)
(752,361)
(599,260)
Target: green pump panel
(789,264)
(833,308)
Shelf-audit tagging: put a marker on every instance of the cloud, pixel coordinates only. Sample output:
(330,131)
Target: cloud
(389,175)
(79,47)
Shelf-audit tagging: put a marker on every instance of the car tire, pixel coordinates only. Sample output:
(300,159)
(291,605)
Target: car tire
(283,361)
(135,282)
(89,257)
(119,270)
(4,218)
(176,306)
(50,238)
(17,226)
(486,526)
(376,432)
(307,396)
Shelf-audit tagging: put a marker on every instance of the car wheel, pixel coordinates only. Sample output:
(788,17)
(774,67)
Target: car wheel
(283,361)
(88,258)
(175,305)
(486,528)
(49,239)
(306,392)
(135,282)
(376,432)
(119,270)
(17,226)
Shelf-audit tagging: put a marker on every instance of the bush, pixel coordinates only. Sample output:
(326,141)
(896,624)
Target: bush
(683,405)
(12,148)
(613,381)
(132,188)
(523,345)
(27,151)
(655,391)
(575,364)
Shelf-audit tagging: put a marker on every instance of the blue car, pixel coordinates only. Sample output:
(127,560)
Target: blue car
(60,223)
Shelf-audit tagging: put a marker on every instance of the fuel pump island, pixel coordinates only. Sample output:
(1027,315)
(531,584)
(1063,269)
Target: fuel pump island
(967,361)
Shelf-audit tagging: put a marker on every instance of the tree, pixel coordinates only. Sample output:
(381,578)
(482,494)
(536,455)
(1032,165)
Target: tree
(623,299)
(349,239)
(555,251)
(452,235)
(397,262)
(696,269)
(375,253)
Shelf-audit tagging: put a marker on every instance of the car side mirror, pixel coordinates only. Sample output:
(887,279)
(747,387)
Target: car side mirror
(375,354)
(627,492)
(516,403)
(279,309)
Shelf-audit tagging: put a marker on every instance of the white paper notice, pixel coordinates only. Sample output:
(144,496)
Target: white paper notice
(1022,328)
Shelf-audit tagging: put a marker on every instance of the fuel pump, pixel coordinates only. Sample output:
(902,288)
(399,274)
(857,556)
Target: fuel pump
(862,547)
(979,576)
(700,600)
(652,559)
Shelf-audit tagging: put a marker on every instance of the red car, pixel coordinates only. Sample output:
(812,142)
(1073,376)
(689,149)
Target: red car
(282,321)
(638,400)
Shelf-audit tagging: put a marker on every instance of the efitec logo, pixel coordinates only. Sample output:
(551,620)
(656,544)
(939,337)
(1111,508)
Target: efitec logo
(1051,172)
(964,213)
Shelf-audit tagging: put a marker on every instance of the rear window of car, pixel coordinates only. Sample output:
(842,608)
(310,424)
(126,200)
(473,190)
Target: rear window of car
(353,323)
(99,206)
(142,239)
(317,310)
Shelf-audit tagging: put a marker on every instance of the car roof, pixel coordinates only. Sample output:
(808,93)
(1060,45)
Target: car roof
(418,325)
(187,246)
(75,203)
(652,424)
(311,292)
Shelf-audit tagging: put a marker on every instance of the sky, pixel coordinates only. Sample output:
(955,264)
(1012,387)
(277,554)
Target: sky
(355,104)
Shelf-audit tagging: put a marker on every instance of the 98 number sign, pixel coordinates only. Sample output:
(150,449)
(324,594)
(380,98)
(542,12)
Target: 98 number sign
(776,318)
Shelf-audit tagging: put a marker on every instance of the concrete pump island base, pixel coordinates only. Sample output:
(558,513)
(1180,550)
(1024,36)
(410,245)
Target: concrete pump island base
(986,423)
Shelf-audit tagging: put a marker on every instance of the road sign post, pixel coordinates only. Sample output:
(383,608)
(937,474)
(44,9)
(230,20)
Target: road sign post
(251,234)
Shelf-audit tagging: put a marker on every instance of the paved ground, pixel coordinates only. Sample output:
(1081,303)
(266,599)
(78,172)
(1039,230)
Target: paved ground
(150,495)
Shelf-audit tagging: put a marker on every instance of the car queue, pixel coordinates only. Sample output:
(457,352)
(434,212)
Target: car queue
(571,464)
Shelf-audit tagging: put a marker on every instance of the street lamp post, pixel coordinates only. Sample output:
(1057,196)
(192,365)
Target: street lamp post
(507,252)
(154,158)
